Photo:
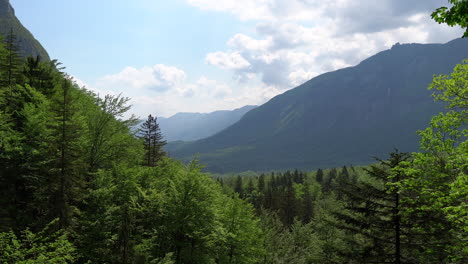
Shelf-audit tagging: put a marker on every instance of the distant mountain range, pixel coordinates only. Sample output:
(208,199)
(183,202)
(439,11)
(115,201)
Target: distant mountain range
(338,118)
(193,126)
(28,45)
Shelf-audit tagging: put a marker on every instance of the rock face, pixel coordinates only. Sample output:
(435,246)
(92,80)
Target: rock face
(338,118)
(27,44)
(6,9)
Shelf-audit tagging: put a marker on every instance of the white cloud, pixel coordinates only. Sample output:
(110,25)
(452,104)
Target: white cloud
(179,95)
(300,76)
(295,40)
(225,60)
(158,77)
(291,42)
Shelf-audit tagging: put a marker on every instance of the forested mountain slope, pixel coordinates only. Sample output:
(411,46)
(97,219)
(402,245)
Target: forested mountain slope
(193,126)
(341,117)
(27,44)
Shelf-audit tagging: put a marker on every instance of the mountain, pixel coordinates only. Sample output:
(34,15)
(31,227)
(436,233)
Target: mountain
(338,118)
(28,45)
(193,126)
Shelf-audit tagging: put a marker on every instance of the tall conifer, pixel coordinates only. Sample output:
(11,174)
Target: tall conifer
(152,140)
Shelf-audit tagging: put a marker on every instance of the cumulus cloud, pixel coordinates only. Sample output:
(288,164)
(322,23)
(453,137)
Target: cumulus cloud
(350,15)
(226,60)
(296,40)
(165,90)
(158,77)
(291,42)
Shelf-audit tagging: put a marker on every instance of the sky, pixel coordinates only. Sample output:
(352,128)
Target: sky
(207,55)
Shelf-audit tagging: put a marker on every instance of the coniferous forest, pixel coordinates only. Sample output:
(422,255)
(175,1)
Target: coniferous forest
(81,182)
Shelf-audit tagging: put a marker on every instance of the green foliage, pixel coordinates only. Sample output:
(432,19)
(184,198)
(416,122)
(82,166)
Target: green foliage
(436,175)
(152,141)
(109,138)
(298,245)
(66,171)
(36,248)
(239,238)
(70,155)
(11,61)
(373,216)
(457,14)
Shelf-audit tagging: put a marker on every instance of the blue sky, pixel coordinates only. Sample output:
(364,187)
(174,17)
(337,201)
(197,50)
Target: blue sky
(206,55)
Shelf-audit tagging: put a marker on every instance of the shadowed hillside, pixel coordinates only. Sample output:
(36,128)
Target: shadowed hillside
(193,126)
(341,117)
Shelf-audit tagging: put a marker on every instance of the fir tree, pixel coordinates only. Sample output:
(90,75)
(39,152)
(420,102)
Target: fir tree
(375,214)
(307,204)
(319,176)
(66,183)
(238,187)
(152,140)
(261,183)
(11,63)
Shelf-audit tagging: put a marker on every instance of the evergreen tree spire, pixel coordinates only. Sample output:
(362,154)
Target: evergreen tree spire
(152,140)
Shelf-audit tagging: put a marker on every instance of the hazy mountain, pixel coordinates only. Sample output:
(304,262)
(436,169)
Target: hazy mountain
(28,45)
(193,126)
(341,117)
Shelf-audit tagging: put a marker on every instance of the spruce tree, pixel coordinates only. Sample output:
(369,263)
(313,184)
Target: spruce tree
(152,140)
(261,183)
(374,214)
(65,176)
(307,205)
(239,186)
(10,65)
(319,176)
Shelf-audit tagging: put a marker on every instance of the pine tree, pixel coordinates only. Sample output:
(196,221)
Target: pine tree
(319,176)
(239,186)
(289,204)
(152,140)
(66,183)
(307,205)
(10,66)
(328,183)
(375,214)
(261,183)
(41,74)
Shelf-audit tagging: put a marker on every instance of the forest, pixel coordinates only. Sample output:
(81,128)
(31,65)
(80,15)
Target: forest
(82,182)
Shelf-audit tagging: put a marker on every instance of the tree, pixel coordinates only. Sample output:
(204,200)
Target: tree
(261,183)
(66,181)
(11,62)
(109,137)
(436,178)
(152,140)
(240,238)
(373,212)
(295,244)
(319,176)
(190,206)
(455,15)
(239,186)
(307,206)
(38,247)
(41,74)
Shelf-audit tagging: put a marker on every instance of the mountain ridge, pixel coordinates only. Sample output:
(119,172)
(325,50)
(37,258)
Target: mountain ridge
(193,126)
(337,118)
